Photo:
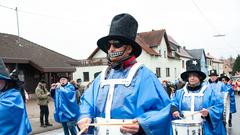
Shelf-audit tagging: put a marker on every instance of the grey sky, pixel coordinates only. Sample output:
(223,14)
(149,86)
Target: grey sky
(72,27)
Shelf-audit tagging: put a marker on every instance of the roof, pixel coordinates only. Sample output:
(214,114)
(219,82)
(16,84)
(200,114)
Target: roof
(147,40)
(196,53)
(43,59)
(183,53)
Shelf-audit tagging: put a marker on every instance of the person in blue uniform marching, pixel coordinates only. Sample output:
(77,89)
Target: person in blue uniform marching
(215,83)
(230,90)
(66,107)
(13,115)
(125,91)
(197,97)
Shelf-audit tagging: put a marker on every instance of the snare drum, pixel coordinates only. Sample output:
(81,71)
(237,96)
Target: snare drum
(226,110)
(187,127)
(110,130)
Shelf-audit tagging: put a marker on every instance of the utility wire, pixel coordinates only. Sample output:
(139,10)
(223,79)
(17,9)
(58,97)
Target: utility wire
(42,15)
(214,29)
(6,7)
(206,19)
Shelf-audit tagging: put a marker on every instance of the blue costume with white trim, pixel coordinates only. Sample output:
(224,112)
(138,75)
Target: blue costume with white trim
(144,99)
(210,101)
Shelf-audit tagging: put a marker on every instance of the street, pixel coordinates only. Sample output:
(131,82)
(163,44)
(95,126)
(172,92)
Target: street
(234,130)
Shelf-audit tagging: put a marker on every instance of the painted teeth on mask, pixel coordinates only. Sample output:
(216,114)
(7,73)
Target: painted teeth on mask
(115,54)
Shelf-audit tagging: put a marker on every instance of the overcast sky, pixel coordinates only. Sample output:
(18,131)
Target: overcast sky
(72,27)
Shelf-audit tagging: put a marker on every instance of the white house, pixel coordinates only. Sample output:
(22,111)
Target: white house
(161,54)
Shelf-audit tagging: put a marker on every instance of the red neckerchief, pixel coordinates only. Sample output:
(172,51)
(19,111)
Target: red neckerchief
(130,62)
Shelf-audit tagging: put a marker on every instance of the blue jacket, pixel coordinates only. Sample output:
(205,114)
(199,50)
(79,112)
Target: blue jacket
(65,102)
(13,115)
(145,99)
(232,98)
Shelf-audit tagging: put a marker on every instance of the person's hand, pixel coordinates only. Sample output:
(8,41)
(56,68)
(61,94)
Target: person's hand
(132,129)
(48,93)
(58,85)
(53,85)
(83,124)
(176,114)
(204,112)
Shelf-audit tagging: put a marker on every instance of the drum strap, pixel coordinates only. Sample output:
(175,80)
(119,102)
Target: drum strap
(193,95)
(112,82)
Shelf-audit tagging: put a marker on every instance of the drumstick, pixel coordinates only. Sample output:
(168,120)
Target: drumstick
(111,124)
(199,111)
(81,131)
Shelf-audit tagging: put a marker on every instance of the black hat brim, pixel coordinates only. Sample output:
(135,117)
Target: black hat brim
(185,74)
(220,78)
(102,43)
(213,74)
(18,82)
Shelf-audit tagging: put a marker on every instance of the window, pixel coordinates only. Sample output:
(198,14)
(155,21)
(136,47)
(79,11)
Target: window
(85,76)
(160,52)
(175,72)
(158,72)
(165,54)
(167,72)
(183,64)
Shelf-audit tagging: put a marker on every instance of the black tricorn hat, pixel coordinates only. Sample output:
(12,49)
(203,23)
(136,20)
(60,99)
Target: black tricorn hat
(14,77)
(193,66)
(4,74)
(223,76)
(123,28)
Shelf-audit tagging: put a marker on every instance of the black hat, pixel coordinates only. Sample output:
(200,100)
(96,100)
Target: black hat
(193,66)
(4,74)
(123,28)
(223,76)
(213,72)
(63,76)
(14,76)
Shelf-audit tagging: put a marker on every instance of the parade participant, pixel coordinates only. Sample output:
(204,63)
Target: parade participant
(43,100)
(66,108)
(125,90)
(237,86)
(13,115)
(215,83)
(233,109)
(196,97)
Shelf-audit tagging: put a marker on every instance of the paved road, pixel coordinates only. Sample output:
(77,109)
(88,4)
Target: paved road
(234,130)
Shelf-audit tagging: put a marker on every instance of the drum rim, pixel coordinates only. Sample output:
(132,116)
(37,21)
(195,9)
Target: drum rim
(187,124)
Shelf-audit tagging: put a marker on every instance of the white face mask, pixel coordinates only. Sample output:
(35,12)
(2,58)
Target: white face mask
(2,84)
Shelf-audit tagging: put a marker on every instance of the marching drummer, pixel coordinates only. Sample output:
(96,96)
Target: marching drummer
(197,98)
(125,90)
(215,83)
(233,109)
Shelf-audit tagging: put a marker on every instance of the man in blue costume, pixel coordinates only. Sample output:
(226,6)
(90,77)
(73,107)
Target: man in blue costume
(66,106)
(215,83)
(13,115)
(125,90)
(196,97)
(230,90)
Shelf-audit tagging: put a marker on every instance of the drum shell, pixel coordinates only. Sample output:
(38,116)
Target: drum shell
(187,127)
